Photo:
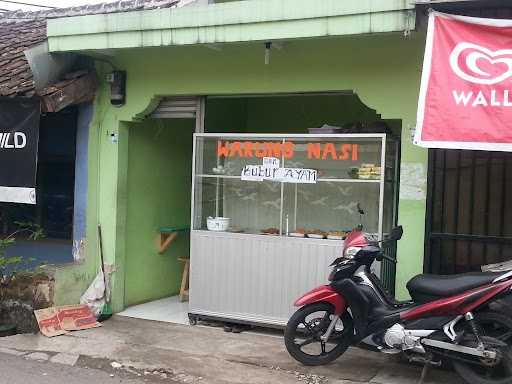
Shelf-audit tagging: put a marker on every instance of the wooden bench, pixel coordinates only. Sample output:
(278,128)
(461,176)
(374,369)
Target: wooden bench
(167,236)
(184,279)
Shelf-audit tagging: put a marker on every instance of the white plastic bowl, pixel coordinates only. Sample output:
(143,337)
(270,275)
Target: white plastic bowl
(218,223)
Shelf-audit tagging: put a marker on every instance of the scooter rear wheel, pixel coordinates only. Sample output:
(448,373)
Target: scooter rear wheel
(495,327)
(307,325)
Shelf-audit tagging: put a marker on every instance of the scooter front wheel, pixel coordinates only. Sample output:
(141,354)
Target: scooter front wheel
(304,331)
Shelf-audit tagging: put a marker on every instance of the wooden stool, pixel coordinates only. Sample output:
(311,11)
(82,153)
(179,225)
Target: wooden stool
(184,279)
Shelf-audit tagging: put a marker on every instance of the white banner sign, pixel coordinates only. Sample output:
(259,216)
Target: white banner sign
(18,195)
(256,173)
(296,175)
(284,175)
(271,162)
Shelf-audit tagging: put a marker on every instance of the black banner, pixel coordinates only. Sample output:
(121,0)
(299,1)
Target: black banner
(19,136)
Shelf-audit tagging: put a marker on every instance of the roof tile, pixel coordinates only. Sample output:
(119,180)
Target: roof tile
(20,31)
(16,37)
(92,9)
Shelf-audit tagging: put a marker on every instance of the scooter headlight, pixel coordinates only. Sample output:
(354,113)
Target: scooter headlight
(350,252)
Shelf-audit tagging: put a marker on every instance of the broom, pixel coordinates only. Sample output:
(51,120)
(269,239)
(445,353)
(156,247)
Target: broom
(106,311)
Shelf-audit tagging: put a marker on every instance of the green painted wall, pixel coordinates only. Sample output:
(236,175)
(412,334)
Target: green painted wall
(383,70)
(71,280)
(158,184)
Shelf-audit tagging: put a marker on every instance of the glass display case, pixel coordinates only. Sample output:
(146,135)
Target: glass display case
(354,172)
(269,214)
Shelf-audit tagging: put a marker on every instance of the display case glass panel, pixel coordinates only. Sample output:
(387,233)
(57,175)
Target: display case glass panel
(330,207)
(390,208)
(337,158)
(350,172)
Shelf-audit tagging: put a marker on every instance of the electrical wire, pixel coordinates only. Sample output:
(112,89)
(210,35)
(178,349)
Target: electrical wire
(30,4)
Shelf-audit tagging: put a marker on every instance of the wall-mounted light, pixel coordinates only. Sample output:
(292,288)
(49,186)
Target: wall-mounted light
(114,138)
(268,46)
(412,132)
(117,81)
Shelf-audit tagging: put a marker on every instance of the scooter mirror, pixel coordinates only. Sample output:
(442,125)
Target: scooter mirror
(396,233)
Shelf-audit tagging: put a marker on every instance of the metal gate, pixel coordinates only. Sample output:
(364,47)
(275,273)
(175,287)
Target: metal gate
(388,268)
(469,210)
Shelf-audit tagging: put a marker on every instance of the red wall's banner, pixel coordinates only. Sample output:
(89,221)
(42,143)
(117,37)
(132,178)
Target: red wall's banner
(466,87)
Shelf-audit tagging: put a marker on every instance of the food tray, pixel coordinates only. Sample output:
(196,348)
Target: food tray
(326,130)
(315,236)
(333,237)
(297,234)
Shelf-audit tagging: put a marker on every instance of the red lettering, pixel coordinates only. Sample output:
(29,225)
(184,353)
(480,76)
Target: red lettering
(313,150)
(259,150)
(345,151)
(222,150)
(288,150)
(329,149)
(273,149)
(355,152)
(236,147)
(248,149)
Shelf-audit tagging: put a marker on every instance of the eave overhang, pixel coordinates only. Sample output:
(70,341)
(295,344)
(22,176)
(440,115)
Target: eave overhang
(233,22)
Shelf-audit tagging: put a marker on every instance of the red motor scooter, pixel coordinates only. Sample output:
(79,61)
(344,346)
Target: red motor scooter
(448,320)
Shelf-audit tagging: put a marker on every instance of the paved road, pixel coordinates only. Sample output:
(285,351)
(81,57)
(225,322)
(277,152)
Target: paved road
(205,355)
(18,370)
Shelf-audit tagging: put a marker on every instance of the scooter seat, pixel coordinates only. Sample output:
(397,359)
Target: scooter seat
(426,287)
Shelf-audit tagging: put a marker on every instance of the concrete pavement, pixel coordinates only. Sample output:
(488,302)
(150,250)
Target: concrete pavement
(16,370)
(209,355)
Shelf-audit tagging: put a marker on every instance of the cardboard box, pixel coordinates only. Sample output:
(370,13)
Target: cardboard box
(55,321)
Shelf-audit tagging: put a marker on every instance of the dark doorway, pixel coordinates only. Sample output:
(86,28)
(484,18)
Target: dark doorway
(469,212)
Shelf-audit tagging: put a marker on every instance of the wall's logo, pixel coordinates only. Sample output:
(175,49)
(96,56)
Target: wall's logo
(480,65)
(10,140)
